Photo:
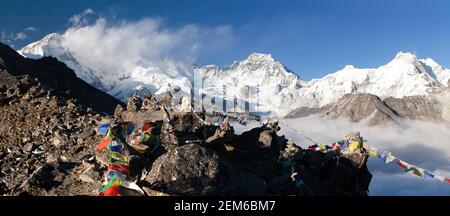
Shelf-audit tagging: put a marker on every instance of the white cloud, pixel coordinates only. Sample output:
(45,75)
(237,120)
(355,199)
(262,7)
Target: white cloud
(4,37)
(116,48)
(406,185)
(82,18)
(423,144)
(31,29)
(20,36)
(10,37)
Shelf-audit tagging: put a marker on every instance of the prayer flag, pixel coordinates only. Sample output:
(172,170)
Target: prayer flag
(104,143)
(119,168)
(103,129)
(111,191)
(118,157)
(428,174)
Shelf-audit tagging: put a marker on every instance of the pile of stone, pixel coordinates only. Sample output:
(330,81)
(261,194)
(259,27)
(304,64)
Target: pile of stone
(46,141)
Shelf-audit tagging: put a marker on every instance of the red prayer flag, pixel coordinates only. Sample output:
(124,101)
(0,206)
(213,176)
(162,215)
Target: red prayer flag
(147,126)
(402,165)
(103,144)
(119,168)
(111,191)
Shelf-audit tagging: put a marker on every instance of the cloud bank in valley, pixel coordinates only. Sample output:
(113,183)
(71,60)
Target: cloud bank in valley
(424,144)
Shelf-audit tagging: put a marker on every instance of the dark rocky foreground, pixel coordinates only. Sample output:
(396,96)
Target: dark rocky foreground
(48,145)
(256,162)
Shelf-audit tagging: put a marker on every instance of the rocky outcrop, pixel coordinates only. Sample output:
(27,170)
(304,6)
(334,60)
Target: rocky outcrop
(334,173)
(416,107)
(376,111)
(134,103)
(258,162)
(58,77)
(190,170)
(359,107)
(150,103)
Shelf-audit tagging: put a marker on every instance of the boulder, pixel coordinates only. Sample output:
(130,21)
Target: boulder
(290,151)
(134,103)
(185,104)
(168,137)
(149,103)
(349,173)
(118,111)
(269,139)
(190,170)
(334,173)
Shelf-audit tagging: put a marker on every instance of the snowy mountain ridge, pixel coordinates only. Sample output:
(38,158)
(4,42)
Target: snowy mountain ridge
(272,86)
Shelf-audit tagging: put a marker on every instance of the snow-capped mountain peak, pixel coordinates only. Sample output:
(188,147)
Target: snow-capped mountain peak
(433,64)
(52,45)
(42,47)
(408,66)
(349,67)
(427,67)
(404,75)
(260,57)
(273,87)
(404,57)
(440,73)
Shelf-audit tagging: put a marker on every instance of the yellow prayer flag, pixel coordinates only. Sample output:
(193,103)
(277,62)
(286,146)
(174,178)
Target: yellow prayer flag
(119,157)
(354,146)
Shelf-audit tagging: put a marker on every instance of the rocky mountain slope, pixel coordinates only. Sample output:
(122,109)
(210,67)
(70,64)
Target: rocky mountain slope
(374,110)
(273,86)
(48,145)
(57,77)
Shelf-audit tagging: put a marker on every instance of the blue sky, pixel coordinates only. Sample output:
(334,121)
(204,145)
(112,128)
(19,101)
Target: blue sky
(312,38)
